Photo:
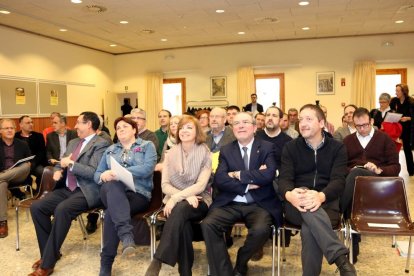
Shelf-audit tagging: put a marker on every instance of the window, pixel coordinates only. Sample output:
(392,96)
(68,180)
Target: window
(386,79)
(270,90)
(173,95)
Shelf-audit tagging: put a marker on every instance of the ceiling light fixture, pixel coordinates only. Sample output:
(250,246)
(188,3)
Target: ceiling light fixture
(147,31)
(63,30)
(306,28)
(241,33)
(4,12)
(303,3)
(123,22)
(387,44)
(399,21)
(112,45)
(76,1)
(220,11)
(164,39)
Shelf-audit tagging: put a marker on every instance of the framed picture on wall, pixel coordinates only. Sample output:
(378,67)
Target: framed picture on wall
(218,87)
(325,83)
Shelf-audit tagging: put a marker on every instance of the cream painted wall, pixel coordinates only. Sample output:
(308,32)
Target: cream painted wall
(29,56)
(299,60)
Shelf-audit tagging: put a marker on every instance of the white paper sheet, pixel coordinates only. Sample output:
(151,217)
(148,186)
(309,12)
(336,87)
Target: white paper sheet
(392,117)
(123,174)
(22,161)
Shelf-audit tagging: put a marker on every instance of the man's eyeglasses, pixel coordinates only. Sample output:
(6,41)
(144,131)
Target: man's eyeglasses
(363,125)
(8,128)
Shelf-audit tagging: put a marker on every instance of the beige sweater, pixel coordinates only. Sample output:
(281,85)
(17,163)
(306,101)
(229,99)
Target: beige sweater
(186,175)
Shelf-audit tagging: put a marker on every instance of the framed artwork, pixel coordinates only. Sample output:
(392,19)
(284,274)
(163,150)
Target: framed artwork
(218,87)
(325,83)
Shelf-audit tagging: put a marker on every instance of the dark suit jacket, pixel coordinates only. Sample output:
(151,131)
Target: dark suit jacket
(53,146)
(37,147)
(248,107)
(21,150)
(228,137)
(262,153)
(85,167)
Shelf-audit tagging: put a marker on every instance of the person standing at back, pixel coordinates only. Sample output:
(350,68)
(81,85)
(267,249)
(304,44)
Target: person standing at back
(404,104)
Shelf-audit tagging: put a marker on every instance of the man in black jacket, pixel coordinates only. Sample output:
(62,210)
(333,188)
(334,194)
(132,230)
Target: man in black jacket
(11,150)
(37,147)
(311,180)
(254,106)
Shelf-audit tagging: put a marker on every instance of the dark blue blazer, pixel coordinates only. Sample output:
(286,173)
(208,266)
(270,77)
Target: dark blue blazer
(230,159)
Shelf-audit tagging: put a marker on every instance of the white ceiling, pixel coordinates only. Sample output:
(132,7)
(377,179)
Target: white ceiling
(189,23)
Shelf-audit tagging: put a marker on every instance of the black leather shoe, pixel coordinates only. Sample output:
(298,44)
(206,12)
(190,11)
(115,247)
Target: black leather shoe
(237,273)
(345,267)
(258,255)
(91,227)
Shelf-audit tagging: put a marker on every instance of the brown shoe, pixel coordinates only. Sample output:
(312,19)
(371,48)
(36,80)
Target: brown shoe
(4,230)
(42,272)
(37,264)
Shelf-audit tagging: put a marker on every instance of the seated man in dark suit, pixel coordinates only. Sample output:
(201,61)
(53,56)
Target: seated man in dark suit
(37,146)
(58,139)
(370,153)
(75,192)
(244,178)
(254,106)
(11,151)
(311,180)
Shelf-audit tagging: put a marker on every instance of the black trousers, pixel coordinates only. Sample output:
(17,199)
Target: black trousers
(258,222)
(120,205)
(64,206)
(348,194)
(406,138)
(177,236)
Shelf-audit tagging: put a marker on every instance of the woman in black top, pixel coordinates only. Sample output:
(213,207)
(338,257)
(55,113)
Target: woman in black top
(404,104)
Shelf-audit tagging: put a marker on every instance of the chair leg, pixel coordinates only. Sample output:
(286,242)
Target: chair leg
(407,265)
(283,245)
(17,229)
(82,227)
(393,241)
(273,248)
(278,250)
(351,248)
(153,237)
(101,217)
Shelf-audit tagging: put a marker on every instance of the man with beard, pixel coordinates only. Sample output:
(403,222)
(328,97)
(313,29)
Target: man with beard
(273,133)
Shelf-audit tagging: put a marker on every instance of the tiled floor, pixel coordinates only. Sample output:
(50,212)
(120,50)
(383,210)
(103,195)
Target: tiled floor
(82,257)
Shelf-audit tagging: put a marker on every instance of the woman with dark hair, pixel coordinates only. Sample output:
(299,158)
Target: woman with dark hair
(203,117)
(139,158)
(404,104)
(187,169)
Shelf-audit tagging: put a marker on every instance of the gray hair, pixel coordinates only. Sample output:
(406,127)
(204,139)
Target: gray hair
(140,111)
(385,97)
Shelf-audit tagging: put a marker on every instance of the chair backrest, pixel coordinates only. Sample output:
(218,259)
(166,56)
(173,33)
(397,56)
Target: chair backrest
(380,197)
(47,184)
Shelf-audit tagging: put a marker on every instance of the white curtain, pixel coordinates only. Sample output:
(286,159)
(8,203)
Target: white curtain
(363,85)
(153,98)
(245,85)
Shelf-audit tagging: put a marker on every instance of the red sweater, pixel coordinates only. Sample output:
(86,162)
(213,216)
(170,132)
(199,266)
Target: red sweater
(380,150)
